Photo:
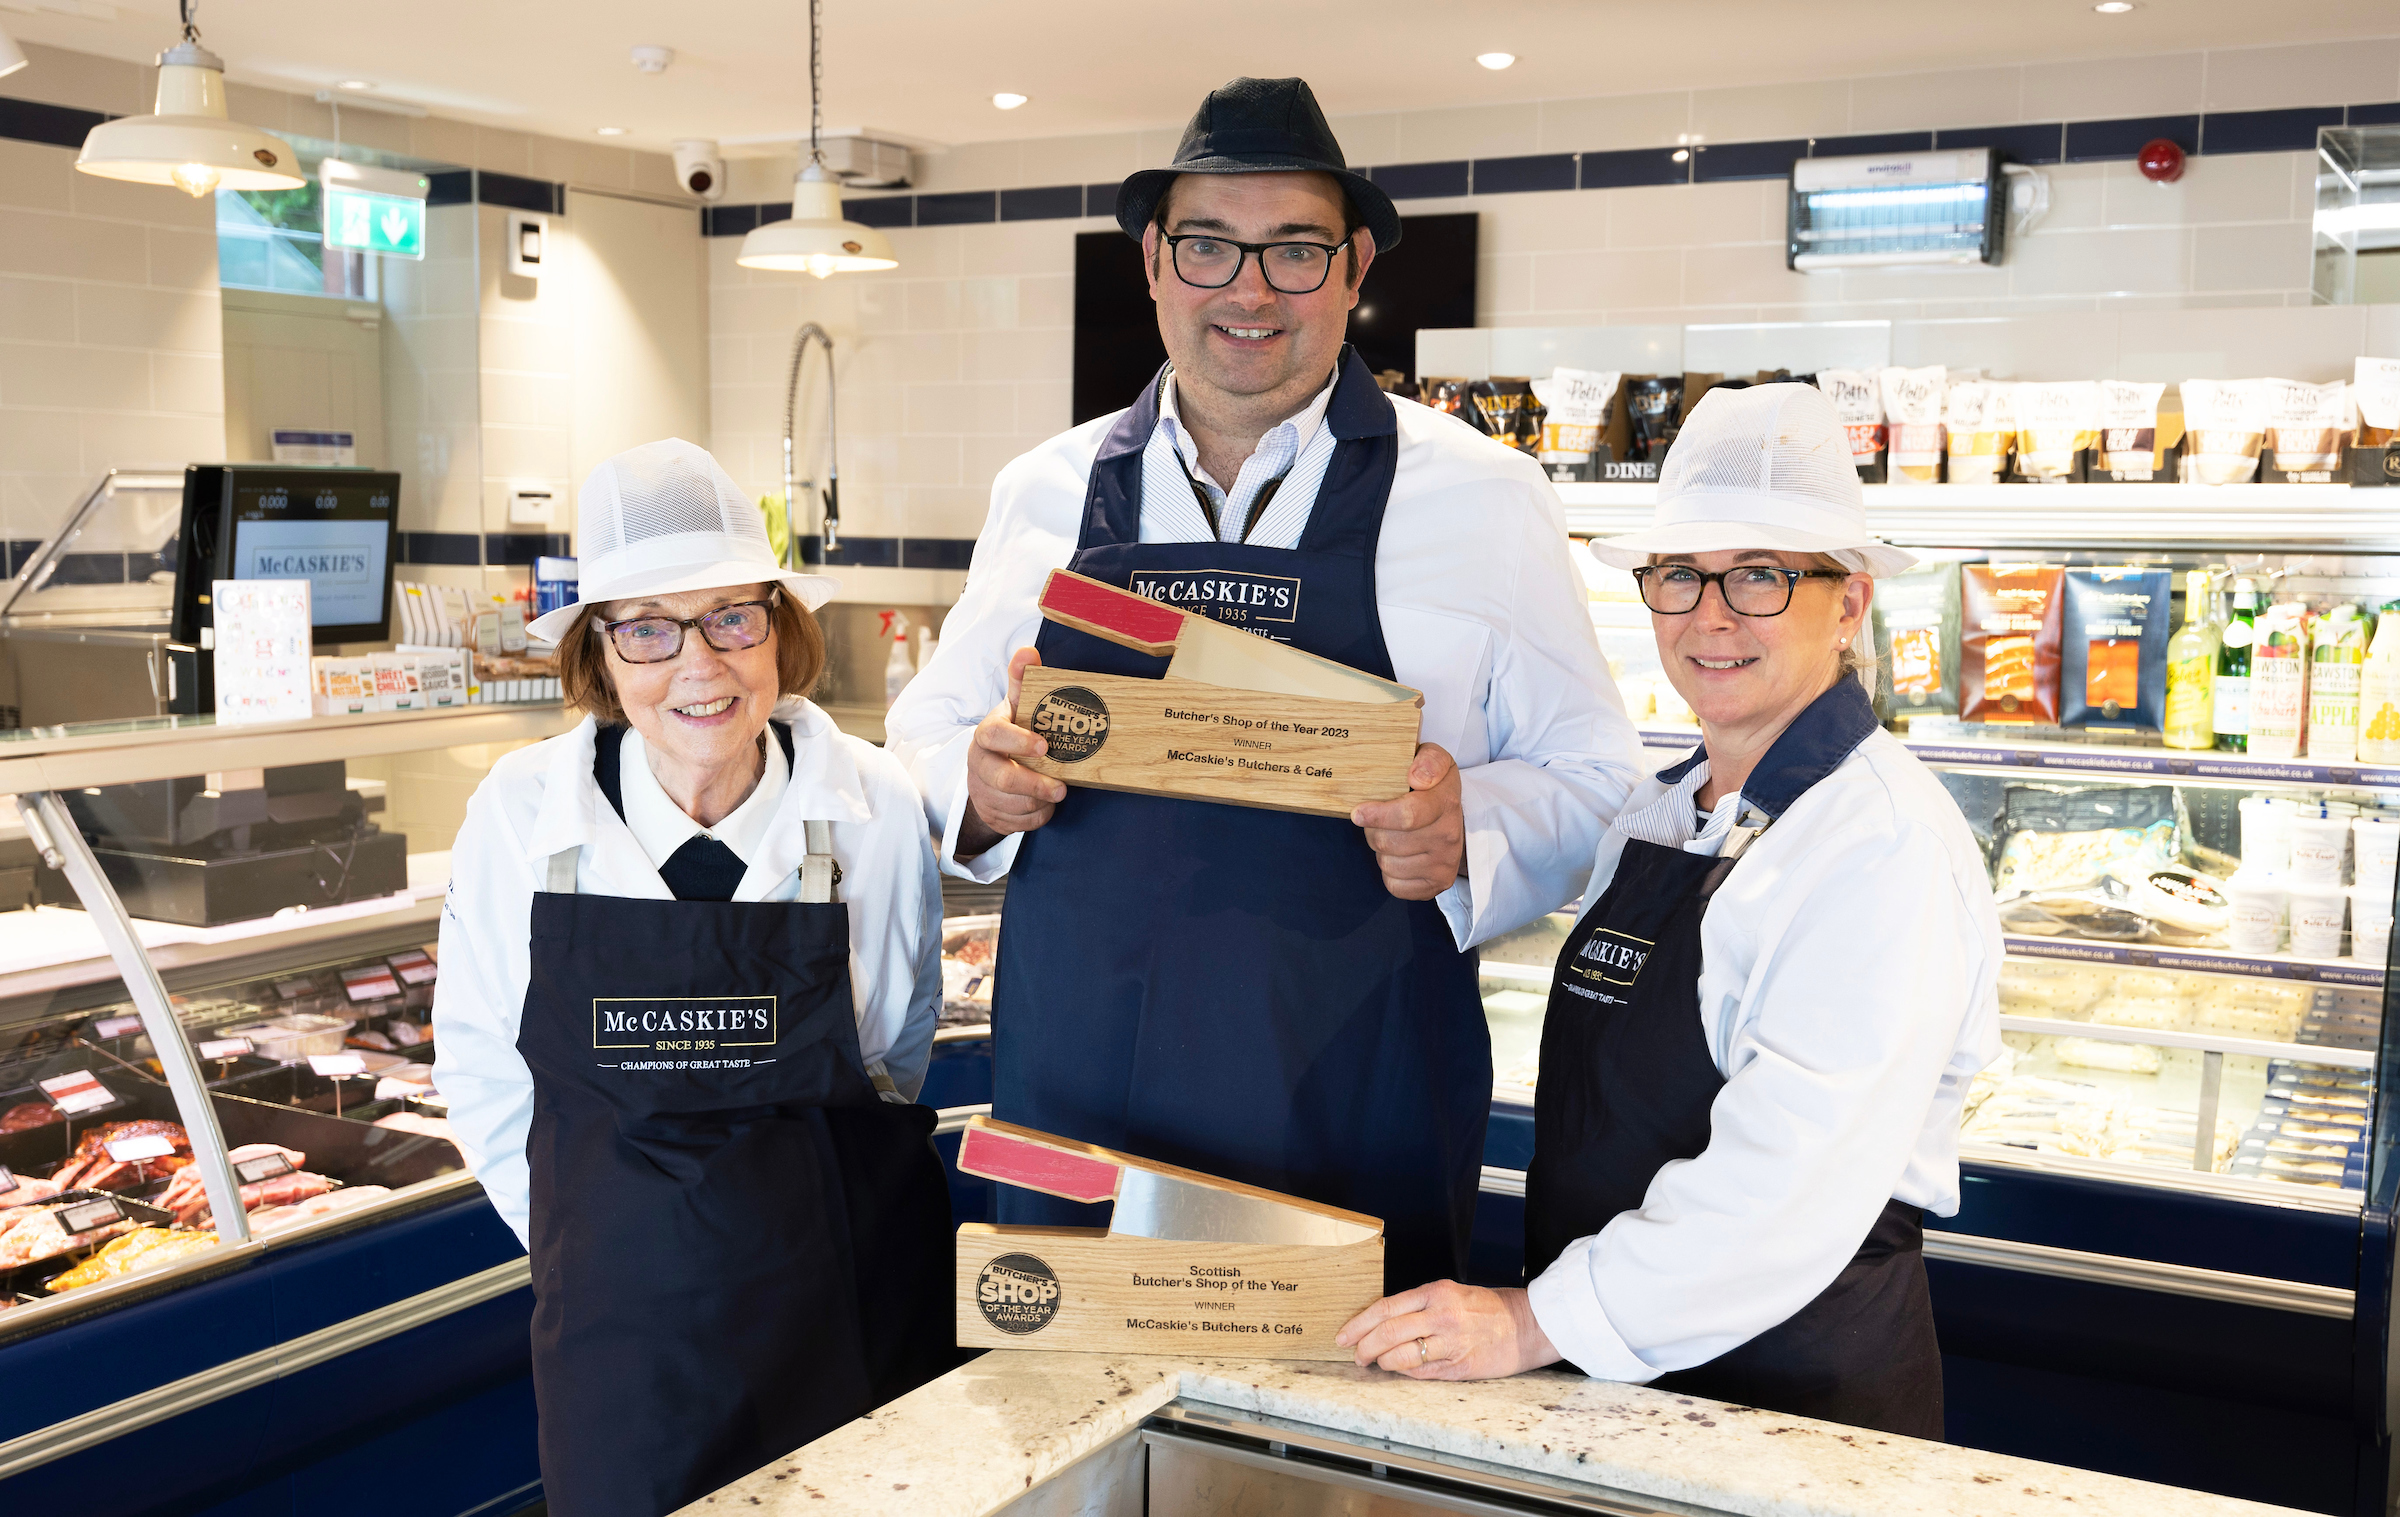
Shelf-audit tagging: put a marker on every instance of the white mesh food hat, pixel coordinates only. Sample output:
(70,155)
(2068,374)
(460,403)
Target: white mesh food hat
(1763,467)
(664,518)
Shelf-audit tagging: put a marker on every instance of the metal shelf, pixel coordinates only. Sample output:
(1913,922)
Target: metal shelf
(124,753)
(2112,517)
(2205,1042)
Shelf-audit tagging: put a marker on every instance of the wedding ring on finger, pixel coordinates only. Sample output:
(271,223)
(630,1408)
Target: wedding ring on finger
(1423,1358)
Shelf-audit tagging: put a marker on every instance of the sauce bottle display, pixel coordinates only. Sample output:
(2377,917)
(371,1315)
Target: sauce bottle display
(2232,690)
(2192,669)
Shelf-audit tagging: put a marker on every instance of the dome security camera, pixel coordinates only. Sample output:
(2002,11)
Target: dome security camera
(699,169)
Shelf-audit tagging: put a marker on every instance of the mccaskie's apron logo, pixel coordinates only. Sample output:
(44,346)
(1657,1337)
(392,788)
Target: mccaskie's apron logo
(1074,721)
(1222,594)
(683,1024)
(1017,1293)
(1615,954)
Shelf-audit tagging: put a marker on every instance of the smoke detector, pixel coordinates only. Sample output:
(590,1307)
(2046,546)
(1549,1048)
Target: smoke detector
(650,58)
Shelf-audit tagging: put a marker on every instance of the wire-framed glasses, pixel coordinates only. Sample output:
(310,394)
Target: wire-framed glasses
(1211,263)
(728,629)
(1749,589)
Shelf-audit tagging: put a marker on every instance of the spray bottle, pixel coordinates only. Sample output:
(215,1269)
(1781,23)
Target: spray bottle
(897,670)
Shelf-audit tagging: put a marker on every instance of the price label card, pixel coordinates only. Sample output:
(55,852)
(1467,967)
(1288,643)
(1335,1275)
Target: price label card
(84,1217)
(414,967)
(225,1048)
(336,1065)
(8,1181)
(151,1146)
(369,985)
(77,1092)
(264,1167)
(116,1027)
(293,990)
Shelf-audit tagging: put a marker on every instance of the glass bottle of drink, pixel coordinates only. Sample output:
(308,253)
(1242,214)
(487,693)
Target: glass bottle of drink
(2192,668)
(2379,693)
(2279,681)
(2231,718)
(2339,648)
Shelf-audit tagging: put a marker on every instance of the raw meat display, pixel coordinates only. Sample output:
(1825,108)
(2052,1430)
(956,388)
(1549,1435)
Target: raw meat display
(25,1116)
(268,1219)
(187,1194)
(143,1248)
(418,1122)
(37,1234)
(29,1190)
(91,1167)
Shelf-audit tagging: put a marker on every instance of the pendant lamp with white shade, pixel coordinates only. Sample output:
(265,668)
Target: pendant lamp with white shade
(188,141)
(816,240)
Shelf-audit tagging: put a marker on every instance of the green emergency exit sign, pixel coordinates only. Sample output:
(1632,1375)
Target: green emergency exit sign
(370,223)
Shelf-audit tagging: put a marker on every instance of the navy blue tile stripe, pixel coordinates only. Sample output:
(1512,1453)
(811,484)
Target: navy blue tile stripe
(520,549)
(2215,134)
(52,125)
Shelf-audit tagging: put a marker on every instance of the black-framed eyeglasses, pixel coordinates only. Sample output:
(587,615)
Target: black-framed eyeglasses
(727,629)
(1207,262)
(1749,589)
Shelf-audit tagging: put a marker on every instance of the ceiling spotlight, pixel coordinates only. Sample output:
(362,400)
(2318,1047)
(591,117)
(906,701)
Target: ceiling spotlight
(1495,61)
(355,84)
(650,58)
(610,131)
(2113,7)
(1007,101)
(1680,155)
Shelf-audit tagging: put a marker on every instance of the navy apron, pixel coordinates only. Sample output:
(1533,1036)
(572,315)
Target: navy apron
(1229,989)
(1625,1088)
(737,1246)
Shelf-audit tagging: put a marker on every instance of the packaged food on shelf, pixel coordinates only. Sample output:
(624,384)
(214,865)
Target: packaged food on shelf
(2135,442)
(1654,407)
(2010,624)
(1917,640)
(2192,670)
(2058,424)
(1979,426)
(289,1039)
(1912,408)
(1857,398)
(2258,906)
(2375,391)
(2113,655)
(2317,915)
(2379,692)
(2225,426)
(2307,425)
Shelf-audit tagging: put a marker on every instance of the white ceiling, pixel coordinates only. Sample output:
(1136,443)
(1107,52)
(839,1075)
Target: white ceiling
(926,69)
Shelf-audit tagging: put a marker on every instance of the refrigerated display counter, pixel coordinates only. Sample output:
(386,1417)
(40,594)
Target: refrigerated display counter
(246,1267)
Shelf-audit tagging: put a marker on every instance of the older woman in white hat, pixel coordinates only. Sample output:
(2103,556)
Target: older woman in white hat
(1762,1029)
(679,1058)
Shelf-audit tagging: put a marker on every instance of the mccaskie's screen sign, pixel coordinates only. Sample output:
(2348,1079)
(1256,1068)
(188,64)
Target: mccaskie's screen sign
(683,1024)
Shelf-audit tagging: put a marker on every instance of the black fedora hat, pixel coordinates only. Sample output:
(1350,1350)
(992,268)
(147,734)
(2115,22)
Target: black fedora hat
(1258,126)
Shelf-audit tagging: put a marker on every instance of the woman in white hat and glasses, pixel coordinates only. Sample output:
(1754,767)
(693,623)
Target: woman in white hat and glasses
(1762,1029)
(690,973)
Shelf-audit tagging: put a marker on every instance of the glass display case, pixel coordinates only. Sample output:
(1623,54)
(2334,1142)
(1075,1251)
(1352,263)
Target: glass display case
(233,1219)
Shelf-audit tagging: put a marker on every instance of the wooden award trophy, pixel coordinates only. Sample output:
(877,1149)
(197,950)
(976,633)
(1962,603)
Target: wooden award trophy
(1236,717)
(1188,1264)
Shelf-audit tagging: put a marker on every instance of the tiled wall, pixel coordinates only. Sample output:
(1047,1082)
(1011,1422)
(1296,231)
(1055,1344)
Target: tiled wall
(960,358)
(111,344)
(110,331)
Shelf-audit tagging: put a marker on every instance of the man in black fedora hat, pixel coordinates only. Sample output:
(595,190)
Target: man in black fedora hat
(1285,1000)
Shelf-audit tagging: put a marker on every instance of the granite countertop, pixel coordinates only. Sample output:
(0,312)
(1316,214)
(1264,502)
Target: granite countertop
(991,1430)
